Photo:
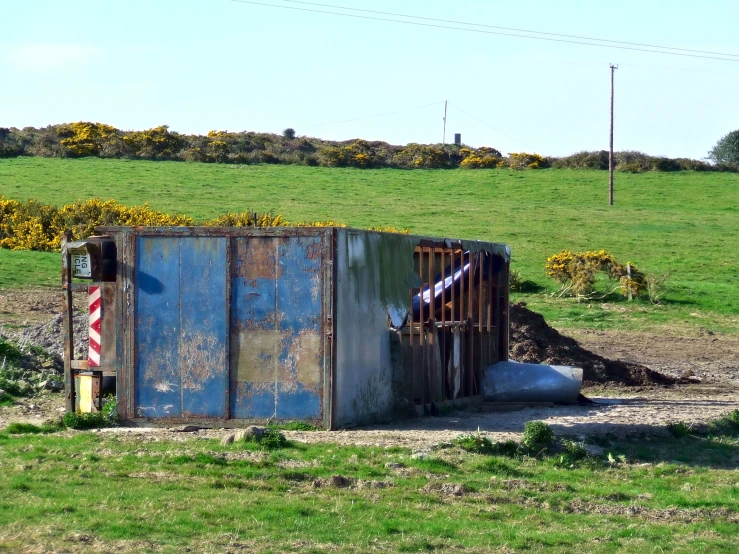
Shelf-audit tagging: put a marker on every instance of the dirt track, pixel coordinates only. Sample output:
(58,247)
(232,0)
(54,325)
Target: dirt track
(623,411)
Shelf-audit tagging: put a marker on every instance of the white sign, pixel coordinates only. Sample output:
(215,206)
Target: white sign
(81,266)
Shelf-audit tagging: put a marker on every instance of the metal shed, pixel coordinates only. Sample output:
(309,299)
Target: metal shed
(333,326)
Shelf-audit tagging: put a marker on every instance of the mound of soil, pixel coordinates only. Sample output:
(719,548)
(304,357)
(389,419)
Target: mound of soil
(533,341)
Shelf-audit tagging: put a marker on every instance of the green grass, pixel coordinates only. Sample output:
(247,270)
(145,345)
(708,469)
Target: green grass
(684,223)
(73,493)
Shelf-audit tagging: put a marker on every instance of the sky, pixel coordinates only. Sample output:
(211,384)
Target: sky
(200,65)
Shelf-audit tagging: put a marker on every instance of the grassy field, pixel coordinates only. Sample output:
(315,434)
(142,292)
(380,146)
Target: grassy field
(100,492)
(685,223)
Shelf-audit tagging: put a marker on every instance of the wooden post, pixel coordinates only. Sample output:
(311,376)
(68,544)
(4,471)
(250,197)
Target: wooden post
(68,324)
(610,153)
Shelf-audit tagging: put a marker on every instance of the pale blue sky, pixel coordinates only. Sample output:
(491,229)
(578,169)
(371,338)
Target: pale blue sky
(198,65)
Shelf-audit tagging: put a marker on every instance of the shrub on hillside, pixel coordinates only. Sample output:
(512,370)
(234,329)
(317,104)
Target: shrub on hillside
(582,160)
(154,144)
(482,158)
(577,272)
(81,139)
(523,160)
(726,150)
(416,156)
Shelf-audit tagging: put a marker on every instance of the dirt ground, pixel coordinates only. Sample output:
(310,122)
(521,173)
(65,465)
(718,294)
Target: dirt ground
(711,361)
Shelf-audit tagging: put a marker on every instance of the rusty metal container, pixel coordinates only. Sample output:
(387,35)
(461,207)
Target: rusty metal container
(237,325)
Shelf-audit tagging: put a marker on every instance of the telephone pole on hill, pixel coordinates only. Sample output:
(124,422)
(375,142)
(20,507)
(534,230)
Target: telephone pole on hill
(443,136)
(610,152)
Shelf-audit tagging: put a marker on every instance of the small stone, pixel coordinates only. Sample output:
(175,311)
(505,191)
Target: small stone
(419,455)
(52,385)
(394,465)
(228,439)
(187,429)
(251,433)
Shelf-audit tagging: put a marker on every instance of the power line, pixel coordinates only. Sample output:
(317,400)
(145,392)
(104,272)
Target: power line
(481,31)
(513,29)
(376,115)
(490,126)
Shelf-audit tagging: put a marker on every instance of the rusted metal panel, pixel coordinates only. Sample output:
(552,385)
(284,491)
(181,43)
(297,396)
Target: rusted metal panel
(277,357)
(254,333)
(299,309)
(204,325)
(158,389)
(181,327)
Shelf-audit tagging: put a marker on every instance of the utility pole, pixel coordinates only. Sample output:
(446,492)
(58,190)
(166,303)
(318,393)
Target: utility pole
(610,153)
(443,136)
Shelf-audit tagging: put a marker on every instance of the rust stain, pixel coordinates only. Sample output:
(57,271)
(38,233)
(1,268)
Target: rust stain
(253,355)
(313,251)
(255,258)
(201,357)
(303,362)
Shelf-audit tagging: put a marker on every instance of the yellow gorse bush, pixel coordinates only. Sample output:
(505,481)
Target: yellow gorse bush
(83,138)
(35,226)
(576,272)
(524,160)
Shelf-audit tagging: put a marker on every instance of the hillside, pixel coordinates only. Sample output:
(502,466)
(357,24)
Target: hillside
(682,223)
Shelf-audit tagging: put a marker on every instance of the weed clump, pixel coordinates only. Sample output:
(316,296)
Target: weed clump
(475,443)
(30,428)
(271,439)
(678,429)
(107,417)
(293,426)
(537,435)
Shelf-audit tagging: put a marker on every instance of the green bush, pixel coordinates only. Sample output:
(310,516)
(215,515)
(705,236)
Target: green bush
(475,443)
(726,150)
(537,435)
(93,420)
(272,439)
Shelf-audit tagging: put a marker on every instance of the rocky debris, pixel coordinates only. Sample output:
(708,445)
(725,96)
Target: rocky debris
(533,341)
(394,465)
(48,335)
(228,439)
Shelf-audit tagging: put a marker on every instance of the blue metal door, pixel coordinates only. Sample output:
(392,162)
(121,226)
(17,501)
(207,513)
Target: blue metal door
(181,333)
(276,352)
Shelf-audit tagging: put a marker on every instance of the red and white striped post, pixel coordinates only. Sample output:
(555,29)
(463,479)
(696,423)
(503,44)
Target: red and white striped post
(95,326)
